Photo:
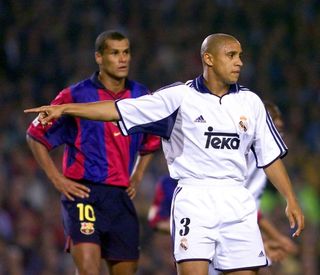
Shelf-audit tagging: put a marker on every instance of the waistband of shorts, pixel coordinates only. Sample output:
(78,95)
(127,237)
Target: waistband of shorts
(92,183)
(209,182)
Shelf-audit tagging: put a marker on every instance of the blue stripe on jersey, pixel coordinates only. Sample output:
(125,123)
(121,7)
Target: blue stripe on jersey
(56,134)
(69,150)
(94,149)
(283,148)
(160,128)
(136,88)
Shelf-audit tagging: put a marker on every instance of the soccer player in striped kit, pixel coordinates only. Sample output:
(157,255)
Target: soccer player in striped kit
(208,126)
(101,167)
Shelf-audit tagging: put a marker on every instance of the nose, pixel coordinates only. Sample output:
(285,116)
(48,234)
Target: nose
(239,62)
(123,57)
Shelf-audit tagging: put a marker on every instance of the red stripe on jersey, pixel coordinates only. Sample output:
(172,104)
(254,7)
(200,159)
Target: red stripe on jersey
(117,146)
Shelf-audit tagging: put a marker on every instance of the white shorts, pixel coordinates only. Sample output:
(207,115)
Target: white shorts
(216,221)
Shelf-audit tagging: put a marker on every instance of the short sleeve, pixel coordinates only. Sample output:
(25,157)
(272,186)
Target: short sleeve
(154,113)
(268,144)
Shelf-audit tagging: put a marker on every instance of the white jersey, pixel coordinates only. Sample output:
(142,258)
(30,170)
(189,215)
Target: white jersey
(205,136)
(256,180)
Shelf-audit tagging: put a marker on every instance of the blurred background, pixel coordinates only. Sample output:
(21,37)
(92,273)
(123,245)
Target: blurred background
(46,45)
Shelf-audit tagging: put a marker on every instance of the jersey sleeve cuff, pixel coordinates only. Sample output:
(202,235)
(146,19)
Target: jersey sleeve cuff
(120,122)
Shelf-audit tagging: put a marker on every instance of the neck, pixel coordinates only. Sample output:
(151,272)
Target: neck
(216,87)
(113,84)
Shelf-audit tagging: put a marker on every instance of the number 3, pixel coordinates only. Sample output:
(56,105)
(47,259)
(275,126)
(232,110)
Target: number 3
(185,222)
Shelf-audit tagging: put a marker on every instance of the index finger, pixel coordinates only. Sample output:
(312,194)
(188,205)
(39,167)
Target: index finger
(33,110)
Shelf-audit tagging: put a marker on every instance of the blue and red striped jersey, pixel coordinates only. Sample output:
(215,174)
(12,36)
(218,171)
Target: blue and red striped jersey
(161,205)
(95,151)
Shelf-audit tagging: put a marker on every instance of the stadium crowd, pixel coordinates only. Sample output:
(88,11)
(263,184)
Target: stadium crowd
(46,45)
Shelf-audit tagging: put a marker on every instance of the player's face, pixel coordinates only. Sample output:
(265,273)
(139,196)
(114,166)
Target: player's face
(115,60)
(227,62)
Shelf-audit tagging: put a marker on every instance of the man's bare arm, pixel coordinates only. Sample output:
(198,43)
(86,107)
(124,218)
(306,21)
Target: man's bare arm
(64,185)
(102,110)
(278,176)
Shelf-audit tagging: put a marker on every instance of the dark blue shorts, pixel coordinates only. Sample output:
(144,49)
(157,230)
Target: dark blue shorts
(107,218)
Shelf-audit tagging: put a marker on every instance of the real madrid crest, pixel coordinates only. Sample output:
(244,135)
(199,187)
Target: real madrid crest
(243,124)
(184,243)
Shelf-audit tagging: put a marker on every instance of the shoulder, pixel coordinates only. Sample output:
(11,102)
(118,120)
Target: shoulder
(250,99)
(172,86)
(250,95)
(74,91)
(83,84)
(174,93)
(173,89)
(137,88)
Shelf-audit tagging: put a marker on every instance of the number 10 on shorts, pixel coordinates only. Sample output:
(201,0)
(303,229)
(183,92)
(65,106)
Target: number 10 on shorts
(86,212)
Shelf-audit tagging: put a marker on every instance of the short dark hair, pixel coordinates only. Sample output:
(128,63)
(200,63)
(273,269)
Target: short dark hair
(108,35)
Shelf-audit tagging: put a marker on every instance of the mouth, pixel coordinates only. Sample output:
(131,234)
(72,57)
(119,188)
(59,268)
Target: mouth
(123,68)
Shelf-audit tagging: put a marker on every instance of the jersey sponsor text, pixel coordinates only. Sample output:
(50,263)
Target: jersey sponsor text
(222,140)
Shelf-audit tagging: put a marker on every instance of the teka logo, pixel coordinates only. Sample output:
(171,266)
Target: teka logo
(222,140)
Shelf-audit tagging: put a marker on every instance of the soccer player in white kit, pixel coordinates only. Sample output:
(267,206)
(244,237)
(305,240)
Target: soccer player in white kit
(208,126)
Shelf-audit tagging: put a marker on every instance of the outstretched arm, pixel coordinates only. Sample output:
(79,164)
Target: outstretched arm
(102,110)
(278,176)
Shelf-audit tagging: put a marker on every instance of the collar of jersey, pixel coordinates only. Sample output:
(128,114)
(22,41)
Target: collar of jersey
(95,80)
(198,84)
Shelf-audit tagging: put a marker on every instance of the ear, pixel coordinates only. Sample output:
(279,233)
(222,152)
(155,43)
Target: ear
(208,59)
(98,58)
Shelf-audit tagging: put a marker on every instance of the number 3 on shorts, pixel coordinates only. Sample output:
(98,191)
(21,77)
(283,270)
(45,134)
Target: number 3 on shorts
(86,212)
(185,230)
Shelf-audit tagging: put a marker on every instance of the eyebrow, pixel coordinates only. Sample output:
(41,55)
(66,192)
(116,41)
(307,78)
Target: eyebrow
(118,50)
(233,52)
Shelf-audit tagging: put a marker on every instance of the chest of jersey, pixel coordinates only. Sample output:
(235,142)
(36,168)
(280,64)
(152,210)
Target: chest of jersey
(225,123)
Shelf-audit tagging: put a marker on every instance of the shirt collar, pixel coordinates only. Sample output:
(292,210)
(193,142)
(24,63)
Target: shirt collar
(95,80)
(198,84)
